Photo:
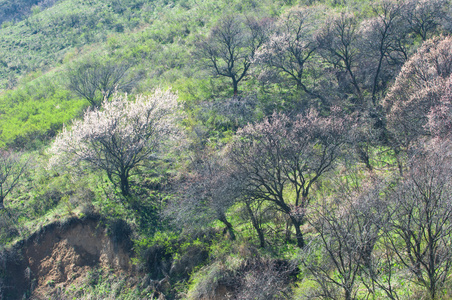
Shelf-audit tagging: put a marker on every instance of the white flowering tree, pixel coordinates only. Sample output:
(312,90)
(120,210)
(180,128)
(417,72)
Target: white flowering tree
(119,136)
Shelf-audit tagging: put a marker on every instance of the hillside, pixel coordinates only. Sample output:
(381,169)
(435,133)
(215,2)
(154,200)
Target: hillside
(225,149)
(13,11)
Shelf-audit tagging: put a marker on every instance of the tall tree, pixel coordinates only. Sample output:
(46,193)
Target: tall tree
(384,44)
(340,46)
(280,160)
(348,226)
(421,214)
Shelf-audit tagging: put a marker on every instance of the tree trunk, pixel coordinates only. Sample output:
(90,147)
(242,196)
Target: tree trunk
(364,156)
(375,84)
(125,189)
(223,219)
(256,226)
(298,233)
(348,295)
(235,85)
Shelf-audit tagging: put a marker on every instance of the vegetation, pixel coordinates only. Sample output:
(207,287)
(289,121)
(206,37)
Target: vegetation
(118,138)
(261,149)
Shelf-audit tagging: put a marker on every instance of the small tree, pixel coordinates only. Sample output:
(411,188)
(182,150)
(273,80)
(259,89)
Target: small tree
(97,79)
(11,168)
(425,17)
(231,45)
(120,136)
(206,191)
(290,49)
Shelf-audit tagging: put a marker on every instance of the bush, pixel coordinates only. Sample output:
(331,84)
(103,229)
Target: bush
(120,232)
(252,277)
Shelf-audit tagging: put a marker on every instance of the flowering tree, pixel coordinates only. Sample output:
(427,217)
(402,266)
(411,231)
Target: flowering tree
(440,116)
(418,88)
(280,159)
(121,135)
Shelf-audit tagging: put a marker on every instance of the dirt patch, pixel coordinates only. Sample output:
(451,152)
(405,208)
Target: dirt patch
(60,255)
(222,292)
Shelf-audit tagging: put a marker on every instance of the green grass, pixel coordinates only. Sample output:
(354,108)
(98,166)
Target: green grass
(36,111)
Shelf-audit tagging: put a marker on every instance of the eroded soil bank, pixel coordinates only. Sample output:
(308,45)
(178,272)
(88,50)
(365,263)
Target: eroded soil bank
(59,255)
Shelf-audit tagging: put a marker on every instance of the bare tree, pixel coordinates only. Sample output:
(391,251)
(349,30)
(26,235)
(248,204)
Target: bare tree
(421,214)
(11,169)
(279,155)
(231,46)
(384,44)
(348,227)
(120,136)
(425,17)
(264,279)
(340,44)
(97,79)
(206,190)
(290,49)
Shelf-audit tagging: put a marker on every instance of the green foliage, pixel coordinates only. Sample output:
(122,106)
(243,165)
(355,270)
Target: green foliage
(169,254)
(103,284)
(35,112)
(31,44)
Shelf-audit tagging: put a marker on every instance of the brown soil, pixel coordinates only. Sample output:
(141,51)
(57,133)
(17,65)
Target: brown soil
(222,292)
(60,255)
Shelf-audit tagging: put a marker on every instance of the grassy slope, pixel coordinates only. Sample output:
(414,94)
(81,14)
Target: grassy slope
(34,52)
(42,39)
(157,36)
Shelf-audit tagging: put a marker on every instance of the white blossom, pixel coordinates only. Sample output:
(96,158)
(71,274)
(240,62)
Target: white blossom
(120,135)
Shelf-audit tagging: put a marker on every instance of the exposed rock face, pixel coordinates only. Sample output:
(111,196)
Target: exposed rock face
(60,255)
